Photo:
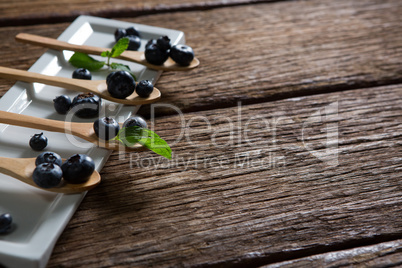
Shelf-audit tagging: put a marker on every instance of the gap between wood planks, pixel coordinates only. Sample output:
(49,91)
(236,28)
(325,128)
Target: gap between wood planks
(125,12)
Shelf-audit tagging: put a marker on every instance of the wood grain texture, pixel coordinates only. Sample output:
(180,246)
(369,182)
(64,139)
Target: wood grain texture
(285,49)
(25,12)
(388,254)
(248,186)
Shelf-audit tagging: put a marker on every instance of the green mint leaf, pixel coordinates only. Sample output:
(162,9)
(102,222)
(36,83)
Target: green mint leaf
(81,60)
(147,138)
(119,47)
(105,54)
(123,67)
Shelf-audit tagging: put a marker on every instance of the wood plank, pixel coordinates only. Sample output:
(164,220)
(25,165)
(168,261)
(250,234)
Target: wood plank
(26,12)
(249,185)
(286,49)
(388,254)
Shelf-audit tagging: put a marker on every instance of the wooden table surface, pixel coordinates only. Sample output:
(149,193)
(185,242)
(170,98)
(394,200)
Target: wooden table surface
(287,154)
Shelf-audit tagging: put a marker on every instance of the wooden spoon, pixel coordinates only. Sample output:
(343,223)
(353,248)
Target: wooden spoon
(134,56)
(82,130)
(97,87)
(22,169)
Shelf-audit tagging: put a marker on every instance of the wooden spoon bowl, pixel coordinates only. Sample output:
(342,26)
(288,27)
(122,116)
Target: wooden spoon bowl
(22,169)
(97,87)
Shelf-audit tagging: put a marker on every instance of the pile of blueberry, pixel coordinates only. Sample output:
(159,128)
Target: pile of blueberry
(159,50)
(107,127)
(121,84)
(50,170)
(133,37)
(84,105)
(5,223)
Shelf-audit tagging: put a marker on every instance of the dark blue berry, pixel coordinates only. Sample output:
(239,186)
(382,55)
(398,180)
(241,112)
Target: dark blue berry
(78,168)
(144,88)
(82,73)
(150,42)
(48,157)
(5,223)
(86,105)
(163,43)
(135,121)
(120,84)
(155,55)
(119,33)
(132,31)
(47,175)
(134,42)
(106,128)
(38,142)
(62,104)
(182,54)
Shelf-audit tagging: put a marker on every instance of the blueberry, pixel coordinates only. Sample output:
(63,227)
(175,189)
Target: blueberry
(48,157)
(144,88)
(155,55)
(38,142)
(182,54)
(120,84)
(78,168)
(119,33)
(5,223)
(151,42)
(62,104)
(106,128)
(47,175)
(132,31)
(134,42)
(135,121)
(163,43)
(82,73)
(86,105)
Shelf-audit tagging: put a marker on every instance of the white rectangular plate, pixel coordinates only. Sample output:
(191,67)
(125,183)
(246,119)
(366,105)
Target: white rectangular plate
(40,217)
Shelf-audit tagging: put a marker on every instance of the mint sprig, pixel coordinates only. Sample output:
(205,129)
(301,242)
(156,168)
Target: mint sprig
(146,137)
(82,60)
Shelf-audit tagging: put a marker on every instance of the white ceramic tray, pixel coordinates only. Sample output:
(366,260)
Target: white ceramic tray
(40,217)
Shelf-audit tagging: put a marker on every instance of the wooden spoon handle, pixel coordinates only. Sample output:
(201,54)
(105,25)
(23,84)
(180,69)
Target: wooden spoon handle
(31,122)
(17,168)
(31,77)
(56,44)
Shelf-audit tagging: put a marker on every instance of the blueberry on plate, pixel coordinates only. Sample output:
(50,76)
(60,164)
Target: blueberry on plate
(182,54)
(155,55)
(119,33)
(120,84)
(106,128)
(78,168)
(38,142)
(5,223)
(132,31)
(86,105)
(163,43)
(62,104)
(135,121)
(48,157)
(47,175)
(82,73)
(134,42)
(144,88)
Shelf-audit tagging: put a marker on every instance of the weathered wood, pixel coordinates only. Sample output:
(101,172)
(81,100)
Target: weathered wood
(265,51)
(388,254)
(249,185)
(25,12)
